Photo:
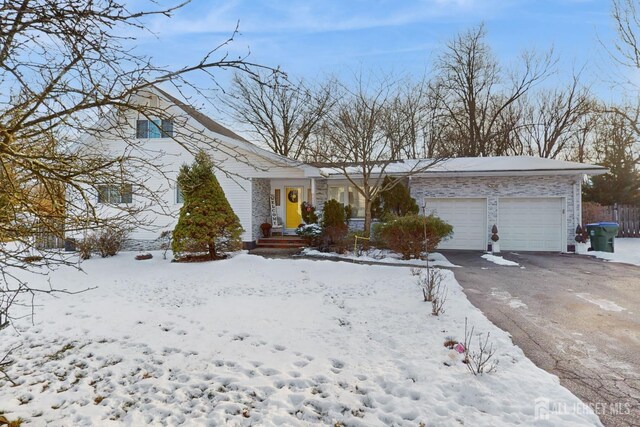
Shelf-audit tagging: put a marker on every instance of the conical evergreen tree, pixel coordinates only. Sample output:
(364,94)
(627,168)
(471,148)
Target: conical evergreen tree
(206,223)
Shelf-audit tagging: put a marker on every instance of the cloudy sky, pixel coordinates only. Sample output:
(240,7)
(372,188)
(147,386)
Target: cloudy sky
(310,38)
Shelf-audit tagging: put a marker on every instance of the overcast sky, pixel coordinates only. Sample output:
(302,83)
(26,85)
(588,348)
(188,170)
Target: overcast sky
(311,38)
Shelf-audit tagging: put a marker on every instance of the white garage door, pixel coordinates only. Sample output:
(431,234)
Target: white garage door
(534,224)
(468,218)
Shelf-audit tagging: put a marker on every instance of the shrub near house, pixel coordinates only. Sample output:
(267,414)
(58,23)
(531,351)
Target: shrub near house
(207,224)
(396,201)
(334,226)
(406,234)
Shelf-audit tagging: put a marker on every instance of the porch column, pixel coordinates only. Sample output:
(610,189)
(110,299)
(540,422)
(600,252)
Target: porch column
(313,191)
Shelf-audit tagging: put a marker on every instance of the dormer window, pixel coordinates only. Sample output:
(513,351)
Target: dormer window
(154,129)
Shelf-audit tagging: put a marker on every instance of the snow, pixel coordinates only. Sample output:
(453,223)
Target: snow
(508,298)
(499,260)
(601,302)
(478,166)
(254,341)
(627,250)
(383,256)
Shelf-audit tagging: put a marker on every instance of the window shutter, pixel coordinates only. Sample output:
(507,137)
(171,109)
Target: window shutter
(167,128)
(102,193)
(142,128)
(126,196)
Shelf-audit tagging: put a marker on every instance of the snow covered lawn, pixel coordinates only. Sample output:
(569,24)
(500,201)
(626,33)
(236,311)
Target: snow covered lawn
(627,250)
(253,341)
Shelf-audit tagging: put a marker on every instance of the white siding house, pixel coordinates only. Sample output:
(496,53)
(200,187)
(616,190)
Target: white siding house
(244,170)
(534,202)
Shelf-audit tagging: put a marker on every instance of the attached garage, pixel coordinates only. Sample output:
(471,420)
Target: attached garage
(531,224)
(535,202)
(468,216)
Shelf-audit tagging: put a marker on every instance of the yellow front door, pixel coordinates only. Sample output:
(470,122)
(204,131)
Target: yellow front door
(293,204)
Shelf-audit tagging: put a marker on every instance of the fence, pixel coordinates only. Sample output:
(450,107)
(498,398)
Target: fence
(627,217)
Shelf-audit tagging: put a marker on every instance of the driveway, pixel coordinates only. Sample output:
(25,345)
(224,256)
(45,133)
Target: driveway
(574,316)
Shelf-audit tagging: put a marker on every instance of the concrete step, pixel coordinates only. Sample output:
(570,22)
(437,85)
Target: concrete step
(281,245)
(282,240)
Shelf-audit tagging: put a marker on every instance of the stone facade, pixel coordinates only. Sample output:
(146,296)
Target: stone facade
(260,208)
(493,188)
(322,193)
(140,245)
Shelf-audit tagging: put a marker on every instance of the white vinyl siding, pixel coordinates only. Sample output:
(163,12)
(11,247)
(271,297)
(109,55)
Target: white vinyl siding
(235,173)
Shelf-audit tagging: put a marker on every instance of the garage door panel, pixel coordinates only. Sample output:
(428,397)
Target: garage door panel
(531,224)
(468,218)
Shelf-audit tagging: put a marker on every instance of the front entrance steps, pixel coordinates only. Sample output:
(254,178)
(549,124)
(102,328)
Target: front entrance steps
(282,242)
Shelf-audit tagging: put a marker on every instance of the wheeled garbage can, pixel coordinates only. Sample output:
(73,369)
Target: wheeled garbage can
(602,235)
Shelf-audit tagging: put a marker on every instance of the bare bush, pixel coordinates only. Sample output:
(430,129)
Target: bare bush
(166,238)
(439,298)
(109,241)
(429,281)
(479,361)
(86,247)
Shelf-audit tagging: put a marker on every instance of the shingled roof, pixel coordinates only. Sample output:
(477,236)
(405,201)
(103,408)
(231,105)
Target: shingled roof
(203,119)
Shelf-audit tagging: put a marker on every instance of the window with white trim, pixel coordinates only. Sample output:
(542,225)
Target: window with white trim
(154,128)
(115,194)
(179,195)
(356,201)
(350,195)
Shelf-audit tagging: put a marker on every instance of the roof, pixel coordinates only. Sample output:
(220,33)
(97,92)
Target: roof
(231,138)
(502,165)
(203,119)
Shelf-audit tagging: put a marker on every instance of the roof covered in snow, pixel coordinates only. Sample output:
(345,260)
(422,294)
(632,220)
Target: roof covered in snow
(505,165)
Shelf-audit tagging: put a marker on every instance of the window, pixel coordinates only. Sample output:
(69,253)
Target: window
(354,198)
(337,193)
(154,128)
(356,201)
(276,196)
(179,195)
(115,194)
(309,196)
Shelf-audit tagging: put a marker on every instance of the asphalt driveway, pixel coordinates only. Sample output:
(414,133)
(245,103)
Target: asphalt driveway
(574,316)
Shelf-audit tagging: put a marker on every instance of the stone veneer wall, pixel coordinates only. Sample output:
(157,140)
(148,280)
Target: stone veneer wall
(140,245)
(260,207)
(509,186)
(322,193)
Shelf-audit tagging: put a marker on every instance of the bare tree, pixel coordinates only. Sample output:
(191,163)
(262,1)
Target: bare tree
(626,52)
(67,79)
(478,96)
(406,118)
(553,119)
(281,114)
(626,16)
(358,139)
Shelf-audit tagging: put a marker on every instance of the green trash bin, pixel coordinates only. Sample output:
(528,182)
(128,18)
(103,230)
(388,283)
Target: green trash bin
(602,235)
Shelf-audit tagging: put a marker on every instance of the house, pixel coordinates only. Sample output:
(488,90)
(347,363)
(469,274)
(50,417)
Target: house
(535,202)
